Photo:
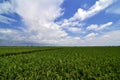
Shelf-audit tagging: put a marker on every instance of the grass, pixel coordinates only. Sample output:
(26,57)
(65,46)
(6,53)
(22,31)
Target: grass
(60,63)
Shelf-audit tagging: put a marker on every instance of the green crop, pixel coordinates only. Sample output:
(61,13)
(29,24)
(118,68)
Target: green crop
(60,63)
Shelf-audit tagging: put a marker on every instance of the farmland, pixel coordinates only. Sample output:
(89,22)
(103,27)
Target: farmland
(59,63)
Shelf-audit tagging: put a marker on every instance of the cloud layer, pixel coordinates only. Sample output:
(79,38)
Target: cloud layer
(40,27)
(82,14)
(101,27)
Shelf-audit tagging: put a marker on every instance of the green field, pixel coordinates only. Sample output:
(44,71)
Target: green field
(59,63)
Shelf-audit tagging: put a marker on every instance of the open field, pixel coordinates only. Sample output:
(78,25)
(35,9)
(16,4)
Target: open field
(59,63)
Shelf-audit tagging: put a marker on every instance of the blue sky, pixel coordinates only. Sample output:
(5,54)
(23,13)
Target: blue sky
(60,22)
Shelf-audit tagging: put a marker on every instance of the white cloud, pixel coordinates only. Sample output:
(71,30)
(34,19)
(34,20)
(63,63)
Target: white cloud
(92,27)
(39,17)
(6,7)
(74,26)
(38,10)
(6,31)
(7,35)
(66,23)
(82,14)
(105,25)
(91,36)
(75,30)
(97,27)
(108,39)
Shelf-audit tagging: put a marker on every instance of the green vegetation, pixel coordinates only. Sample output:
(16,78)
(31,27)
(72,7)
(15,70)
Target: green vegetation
(60,63)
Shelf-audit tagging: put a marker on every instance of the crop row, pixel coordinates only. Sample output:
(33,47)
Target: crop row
(67,63)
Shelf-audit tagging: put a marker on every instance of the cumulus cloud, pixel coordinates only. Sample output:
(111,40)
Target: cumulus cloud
(91,36)
(106,39)
(97,27)
(40,27)
(6,31)
(8,36)
(82,14)
(75,30)
(66,23)
(39,17)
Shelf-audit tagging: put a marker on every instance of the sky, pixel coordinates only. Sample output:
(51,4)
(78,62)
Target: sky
(60,22)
